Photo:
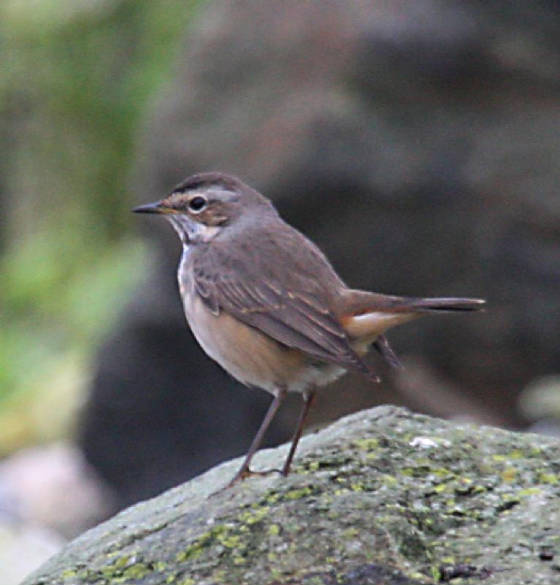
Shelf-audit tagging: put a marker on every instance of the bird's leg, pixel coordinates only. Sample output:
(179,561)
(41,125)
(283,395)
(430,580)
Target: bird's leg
(308,398)
(245,471)
(382,346)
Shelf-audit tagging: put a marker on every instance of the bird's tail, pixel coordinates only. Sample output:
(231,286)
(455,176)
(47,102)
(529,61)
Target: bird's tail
(442,304)
(367,316)
(358,302)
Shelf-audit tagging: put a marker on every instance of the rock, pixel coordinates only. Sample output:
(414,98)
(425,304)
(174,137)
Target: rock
(541,399)
(380,496)
(540,403)
(53,487)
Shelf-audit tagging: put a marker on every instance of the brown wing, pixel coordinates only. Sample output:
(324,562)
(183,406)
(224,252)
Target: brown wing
(275,290)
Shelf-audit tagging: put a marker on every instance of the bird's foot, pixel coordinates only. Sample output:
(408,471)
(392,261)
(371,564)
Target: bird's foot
(245,472)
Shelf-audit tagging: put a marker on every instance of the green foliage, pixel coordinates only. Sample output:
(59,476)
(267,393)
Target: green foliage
(76,79)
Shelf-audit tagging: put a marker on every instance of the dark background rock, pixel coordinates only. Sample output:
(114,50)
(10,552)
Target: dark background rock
(417,144)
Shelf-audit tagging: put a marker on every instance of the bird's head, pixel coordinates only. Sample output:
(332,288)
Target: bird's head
(202,206)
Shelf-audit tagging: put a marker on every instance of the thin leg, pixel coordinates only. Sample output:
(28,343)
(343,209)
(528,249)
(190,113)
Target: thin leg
(383,347)
(308,398)
(244,471)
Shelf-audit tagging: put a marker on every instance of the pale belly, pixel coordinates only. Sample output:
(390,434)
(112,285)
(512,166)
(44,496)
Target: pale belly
(252,357)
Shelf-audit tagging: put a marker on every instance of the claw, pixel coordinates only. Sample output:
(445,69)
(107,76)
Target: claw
(245,473)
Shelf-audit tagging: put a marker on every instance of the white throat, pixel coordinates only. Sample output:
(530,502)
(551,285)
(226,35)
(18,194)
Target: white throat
(192,232)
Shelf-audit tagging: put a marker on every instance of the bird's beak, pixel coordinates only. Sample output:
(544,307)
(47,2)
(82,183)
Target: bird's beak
(156,207)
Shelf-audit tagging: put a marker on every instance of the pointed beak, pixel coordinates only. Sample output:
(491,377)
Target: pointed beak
(156,207)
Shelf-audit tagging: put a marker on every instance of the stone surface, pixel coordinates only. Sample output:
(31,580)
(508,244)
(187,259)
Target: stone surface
(381,496)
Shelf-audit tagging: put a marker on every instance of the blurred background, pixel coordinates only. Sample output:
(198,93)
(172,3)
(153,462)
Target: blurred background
(416,141)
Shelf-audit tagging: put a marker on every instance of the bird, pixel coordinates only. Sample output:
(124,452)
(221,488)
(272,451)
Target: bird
(265,303)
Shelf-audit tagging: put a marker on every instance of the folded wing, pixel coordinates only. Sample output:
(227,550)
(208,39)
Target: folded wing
(283,300)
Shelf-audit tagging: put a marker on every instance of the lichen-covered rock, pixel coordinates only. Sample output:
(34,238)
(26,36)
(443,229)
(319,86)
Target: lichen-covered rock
(382,496)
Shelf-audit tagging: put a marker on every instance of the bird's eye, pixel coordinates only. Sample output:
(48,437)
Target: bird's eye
(197,204)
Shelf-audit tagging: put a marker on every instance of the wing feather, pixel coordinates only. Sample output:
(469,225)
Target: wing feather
(293,309)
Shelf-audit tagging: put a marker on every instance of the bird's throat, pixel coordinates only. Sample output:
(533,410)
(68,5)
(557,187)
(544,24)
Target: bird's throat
(190,231)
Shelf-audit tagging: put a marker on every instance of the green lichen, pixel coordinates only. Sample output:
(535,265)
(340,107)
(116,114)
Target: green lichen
(132,572)
(124,569)
(530,491)
(389,480)
(550,478)
(254,515)
(298,493)
(366,444)
(196,548)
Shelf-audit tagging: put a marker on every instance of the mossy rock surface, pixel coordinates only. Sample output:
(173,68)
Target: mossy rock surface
(379,497)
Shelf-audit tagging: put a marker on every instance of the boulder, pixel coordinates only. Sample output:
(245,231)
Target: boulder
(381,496)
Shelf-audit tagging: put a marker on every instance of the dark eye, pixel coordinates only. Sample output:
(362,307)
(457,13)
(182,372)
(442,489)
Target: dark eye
(197,204)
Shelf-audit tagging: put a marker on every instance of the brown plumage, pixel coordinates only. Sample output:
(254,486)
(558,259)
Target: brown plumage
(266,304)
